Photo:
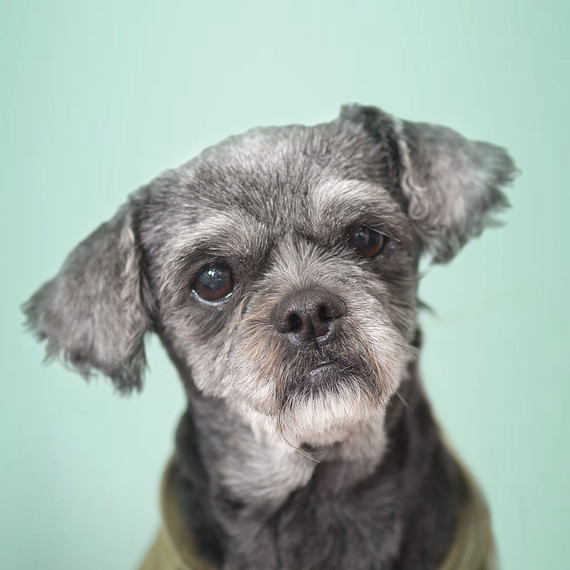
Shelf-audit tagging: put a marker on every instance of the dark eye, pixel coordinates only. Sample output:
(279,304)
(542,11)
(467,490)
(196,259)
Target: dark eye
(214,283)
(367,242)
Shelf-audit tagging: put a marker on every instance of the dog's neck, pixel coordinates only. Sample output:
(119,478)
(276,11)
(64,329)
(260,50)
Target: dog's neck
(256,502)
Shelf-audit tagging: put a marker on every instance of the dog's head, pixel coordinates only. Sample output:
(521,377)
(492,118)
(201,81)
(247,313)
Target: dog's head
(280,267)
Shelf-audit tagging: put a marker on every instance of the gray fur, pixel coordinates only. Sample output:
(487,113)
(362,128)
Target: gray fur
(277,470)
(452,184)
(92,312)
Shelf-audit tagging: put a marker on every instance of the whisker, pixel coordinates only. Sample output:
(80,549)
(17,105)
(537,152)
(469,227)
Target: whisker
(401,398)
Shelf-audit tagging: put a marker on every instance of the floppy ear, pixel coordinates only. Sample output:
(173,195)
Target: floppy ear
(452,185)
(92,312)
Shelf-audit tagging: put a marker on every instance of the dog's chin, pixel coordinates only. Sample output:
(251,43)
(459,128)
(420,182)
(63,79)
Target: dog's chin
(322,407)
(328,415)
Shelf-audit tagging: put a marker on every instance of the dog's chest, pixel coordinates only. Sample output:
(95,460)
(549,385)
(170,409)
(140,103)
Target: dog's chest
(318,527)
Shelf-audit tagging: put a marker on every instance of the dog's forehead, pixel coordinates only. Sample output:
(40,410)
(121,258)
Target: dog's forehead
(302,180)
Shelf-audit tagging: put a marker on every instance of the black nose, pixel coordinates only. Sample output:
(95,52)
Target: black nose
(308,315)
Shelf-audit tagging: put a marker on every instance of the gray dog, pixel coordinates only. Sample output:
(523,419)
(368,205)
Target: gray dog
(280,271)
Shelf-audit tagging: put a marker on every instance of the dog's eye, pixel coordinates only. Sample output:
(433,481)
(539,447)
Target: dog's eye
(214,283)
(368,242)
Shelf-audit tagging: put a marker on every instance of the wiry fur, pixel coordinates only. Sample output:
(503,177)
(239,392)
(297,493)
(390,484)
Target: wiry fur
(92,313)
(281,464)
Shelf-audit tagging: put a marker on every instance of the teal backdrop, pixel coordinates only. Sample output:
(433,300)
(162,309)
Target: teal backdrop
(98,97)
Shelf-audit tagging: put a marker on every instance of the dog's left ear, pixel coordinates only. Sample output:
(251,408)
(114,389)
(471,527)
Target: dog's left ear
(452,185)
(92,311)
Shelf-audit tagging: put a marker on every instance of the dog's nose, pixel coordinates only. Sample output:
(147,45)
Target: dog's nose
(307,315)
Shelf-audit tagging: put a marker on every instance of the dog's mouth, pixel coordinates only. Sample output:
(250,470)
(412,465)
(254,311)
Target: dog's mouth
(319,403)
(324,373)
(324,376)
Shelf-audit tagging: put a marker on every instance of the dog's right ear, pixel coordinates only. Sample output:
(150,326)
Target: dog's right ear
(453,185)
(92,311)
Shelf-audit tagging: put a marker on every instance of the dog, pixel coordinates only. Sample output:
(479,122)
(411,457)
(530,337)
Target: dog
(280,270)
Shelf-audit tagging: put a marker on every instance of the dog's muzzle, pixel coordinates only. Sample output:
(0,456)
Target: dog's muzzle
(319,357)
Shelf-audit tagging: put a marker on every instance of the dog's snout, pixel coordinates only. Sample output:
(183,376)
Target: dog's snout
(308,315)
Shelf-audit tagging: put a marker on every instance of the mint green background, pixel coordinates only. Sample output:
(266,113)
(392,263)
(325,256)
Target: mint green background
(98,97)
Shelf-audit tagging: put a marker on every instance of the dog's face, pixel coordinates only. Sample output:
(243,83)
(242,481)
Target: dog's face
(280,267)
(285,288)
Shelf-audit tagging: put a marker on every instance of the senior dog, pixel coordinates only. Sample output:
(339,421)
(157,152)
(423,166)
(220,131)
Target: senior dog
(280,271)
